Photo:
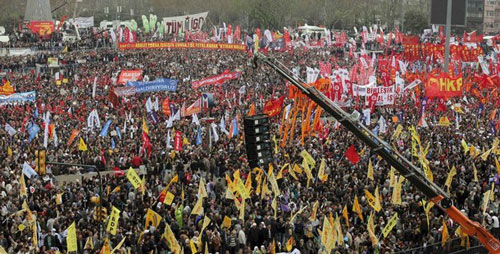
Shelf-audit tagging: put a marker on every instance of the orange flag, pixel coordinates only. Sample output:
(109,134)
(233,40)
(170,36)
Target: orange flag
(251,112)
(74,133)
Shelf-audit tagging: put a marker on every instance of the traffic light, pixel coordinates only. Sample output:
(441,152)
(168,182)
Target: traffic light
(258,141)
(40,158)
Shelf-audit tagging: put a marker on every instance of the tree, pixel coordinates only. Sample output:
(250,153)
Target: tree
(415,21)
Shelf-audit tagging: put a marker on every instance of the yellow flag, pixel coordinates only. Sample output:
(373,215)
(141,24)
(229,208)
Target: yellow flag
(492,192)
(113,220)
(89,244)
(398,131)
(9,151)
(465,146)
(444,234)
(475,173)
(226,223)
(242,190)
(22,186)
(378,206)
(326,235)
(117,247)
(274,184)
(371,200)
(308,158)
(390,225)
(486,199)
(71,238)
(172,243)
(206,248)
(314,211)
(472,151)
(370,170)
(305,165)
(169,198)
(289,244)
(230,184)
(202,191)
(145,126)
(321,172)
(485,155)
(495,144)
(338,228)
(192,246)
(134,179)
(444,121)
(206,222)
(392,177)
(345,215)
(396,192)
(280,174)
(371,230)
(297,169)
(2,250)
(274,205)
(451,174)
(82,146)
(185,141)
(242,210)
(357,208)
(248,183)
(152,219)
(198,208)
(106,247)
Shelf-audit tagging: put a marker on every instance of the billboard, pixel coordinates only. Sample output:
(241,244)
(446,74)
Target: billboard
(458,12)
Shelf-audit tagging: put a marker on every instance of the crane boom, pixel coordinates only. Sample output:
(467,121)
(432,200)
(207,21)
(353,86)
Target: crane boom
(391,156)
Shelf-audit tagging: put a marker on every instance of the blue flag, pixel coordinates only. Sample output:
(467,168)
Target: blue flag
(118,132)
(113,143)
(236,132)
(32,131)
(104,131)
(198,137)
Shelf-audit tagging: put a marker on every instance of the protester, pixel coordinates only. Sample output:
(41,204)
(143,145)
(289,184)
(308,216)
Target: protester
(266,221)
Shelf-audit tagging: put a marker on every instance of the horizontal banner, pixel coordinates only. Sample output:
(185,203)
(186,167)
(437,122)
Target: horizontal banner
(158,85)
(18,98)
(42,27)
(187,23)
(83,22)
(181,45)
(218,79)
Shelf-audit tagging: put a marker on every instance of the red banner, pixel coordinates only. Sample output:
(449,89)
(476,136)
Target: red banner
(181,45)
(178,141)
(443,85)
(218,79)
(42,27)
(131,75)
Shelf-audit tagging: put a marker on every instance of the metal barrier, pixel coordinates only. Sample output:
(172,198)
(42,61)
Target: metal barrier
(452,246)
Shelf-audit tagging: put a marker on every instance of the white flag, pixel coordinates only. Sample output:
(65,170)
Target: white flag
(156,106)
(214,131)
(46,131)
(195,120)
(94,87)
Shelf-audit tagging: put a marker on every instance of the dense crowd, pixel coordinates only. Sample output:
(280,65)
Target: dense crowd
(51,206)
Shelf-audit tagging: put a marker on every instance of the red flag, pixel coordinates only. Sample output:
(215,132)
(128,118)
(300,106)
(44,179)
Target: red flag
(178,141)
(103,158)
(112,97)
(372,101)
(441,105)
(352,155)
(61,22)
(273,106)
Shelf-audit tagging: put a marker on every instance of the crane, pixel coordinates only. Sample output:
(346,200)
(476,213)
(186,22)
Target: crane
(391,156)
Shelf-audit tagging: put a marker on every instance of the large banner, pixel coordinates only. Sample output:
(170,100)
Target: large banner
(17,98)
(42,27)
(443,85)
(181,45)
(163,84)
(218,79)
(130,75)
(83,22)
(192,23)
(385,95)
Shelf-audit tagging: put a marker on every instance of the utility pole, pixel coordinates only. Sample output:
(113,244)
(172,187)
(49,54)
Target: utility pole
(448,34)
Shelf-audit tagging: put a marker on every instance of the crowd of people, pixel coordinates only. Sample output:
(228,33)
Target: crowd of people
(202,171)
